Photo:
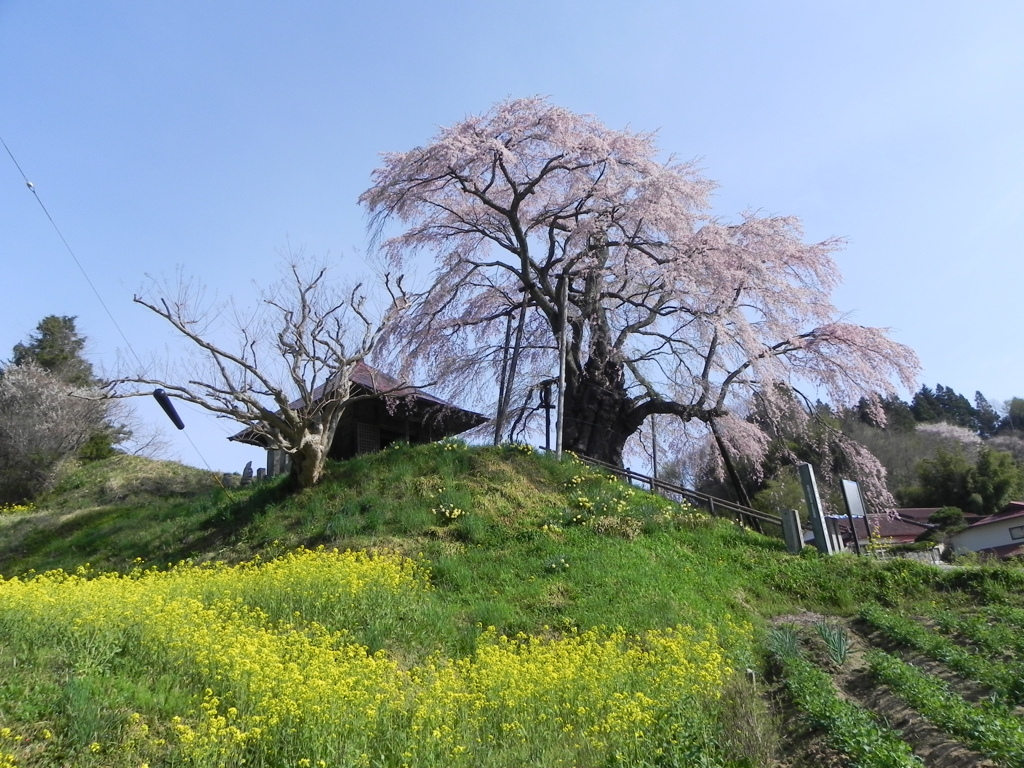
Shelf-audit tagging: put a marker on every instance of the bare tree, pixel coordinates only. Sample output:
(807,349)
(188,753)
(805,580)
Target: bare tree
(43,422)
(287,375)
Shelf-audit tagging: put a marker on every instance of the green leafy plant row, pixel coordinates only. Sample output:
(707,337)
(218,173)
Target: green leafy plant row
(987,631)
(1007,614)
(851,729)
(1005,680)
(987,728)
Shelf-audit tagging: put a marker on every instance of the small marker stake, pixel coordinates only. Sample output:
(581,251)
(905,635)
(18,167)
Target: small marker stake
(168,406)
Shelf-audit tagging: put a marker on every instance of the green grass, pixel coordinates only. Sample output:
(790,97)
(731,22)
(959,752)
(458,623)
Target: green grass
(494,564)
(537,542)
(509,539)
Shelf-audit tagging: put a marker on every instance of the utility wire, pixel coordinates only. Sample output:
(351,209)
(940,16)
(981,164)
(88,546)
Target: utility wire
(32,189)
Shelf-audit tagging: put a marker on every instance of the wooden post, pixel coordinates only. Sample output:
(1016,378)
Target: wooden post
(654,446)
(560,423)
(545,395)
(499,417)
(509,364)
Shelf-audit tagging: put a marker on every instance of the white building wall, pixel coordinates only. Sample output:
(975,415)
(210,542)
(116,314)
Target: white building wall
(994,534)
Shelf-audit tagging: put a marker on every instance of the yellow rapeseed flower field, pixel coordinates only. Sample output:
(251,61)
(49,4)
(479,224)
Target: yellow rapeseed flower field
(278,678)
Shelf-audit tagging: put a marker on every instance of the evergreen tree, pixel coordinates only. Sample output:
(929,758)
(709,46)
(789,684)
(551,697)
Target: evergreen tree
(57,347)
(956,409)
(899,417)
(944,404)
(988,417)
(924,406)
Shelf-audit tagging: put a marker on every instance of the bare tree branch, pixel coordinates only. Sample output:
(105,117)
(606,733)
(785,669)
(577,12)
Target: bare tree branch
(287,379)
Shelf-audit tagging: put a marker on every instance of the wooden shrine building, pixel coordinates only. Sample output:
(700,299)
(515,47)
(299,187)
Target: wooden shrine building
(394,412)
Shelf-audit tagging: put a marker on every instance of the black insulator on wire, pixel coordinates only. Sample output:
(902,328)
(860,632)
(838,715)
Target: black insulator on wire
(168,406)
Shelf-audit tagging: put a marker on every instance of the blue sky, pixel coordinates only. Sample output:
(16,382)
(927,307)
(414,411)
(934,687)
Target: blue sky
(208,137)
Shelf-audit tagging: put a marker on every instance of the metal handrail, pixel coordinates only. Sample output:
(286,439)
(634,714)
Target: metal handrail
(712,503)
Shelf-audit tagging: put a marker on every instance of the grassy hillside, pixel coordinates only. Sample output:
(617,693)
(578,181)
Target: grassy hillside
(497,608)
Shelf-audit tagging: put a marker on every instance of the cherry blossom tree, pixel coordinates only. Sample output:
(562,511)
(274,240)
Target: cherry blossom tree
(285,374)
(666,309)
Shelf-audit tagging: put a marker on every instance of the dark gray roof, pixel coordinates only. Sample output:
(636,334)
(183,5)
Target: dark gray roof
(376,382)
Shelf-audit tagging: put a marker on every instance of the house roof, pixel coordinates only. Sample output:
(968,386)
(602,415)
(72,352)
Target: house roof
(375,382)
(1004,551)
(917,514)
(1011,511)
(885,527)
(898,527)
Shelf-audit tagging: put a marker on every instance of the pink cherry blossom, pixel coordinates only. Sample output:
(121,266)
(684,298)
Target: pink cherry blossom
(670,310)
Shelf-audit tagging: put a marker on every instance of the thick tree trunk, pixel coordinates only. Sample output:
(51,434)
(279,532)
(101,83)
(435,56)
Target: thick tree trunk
(596,413)
(309,460)
(307,467)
